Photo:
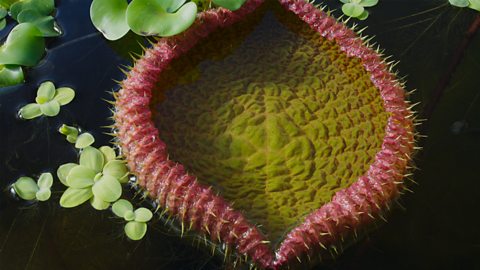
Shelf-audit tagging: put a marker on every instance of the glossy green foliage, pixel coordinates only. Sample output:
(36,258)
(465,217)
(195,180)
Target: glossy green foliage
(229,4)
(136,226)
(27,189)
(473,4)
(109,17)
(356,8)
(11,75)
(81,141)
(24,46)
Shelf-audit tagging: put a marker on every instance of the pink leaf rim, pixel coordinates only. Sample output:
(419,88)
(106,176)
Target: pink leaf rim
(198,206)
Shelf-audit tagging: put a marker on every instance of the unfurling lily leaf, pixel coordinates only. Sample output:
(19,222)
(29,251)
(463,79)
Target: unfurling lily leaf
(75,196)
(26,188)
(135,230)
(24,46)
(110,18)
(63,171)
(229,4)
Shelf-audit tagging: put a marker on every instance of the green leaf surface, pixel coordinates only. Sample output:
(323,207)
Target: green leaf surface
(43,194)
(43,7)
(45,180)
(24,46)
(98,203)
(11,75)
(229,4)
(135,230)
(45,92)
(73,197)
(3,23)
(147,17)
(143,214)
(171,6)
(64,95)
(26,188)
(108,153)
(459,3)
(50,108)
(121,207)
(363,16)
(92,158)
(475,4)
(129,215)
(109,17)
(352,10)
(116,169)
(30,111)
(368,3)
(3,12)
(63,171)
(46,24)
(107,188)
(84,140)
(80,177)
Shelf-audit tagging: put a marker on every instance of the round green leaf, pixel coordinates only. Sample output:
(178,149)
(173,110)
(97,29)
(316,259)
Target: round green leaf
(135,230)
(363,16)
(25,188)
(75,196)
(229,4)
(63,171)
(45,92)
(44,7)
(108,153)
(459,3)
(147,17)
(67,130)
(117,169)
(3,12)
(98,203)
(129,216)
(43,194)
(143,214)
(121,207)
(30,111)
(368,3)
(352,10)
(50,108)
(92,158)
(84,140)
(80,177)
(171,6)
(11,75)
(107,188)
(109,17)
(45,180)
(64,95)
(46,24)
(475,4)
(24,46)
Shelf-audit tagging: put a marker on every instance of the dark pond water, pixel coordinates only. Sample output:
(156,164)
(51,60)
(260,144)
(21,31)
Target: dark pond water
(437,228)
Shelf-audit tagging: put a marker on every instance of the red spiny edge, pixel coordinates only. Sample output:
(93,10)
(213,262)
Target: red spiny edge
(196,204)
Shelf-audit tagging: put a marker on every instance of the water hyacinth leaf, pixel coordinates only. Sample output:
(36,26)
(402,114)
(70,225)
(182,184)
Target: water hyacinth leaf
(135,230)
(129,216)
(107,188)
(147,17)
(459,3)
(98,203)
(75,196)
(46,24)
(108,153)
(45,180)
(64,95)
(143,215)
(50,108)
(11,75)
(121,207)
(80,177)
(368,3)
(45,92)
(26,188)
(63,171)
(116,169)
(30,111)
(171,5)
(109,17)
(43,194)
(92,158)
(229,4)
(352,10)
(84,140)
(24,46)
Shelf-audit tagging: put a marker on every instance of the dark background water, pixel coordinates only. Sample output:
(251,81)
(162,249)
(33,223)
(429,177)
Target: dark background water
(437,227)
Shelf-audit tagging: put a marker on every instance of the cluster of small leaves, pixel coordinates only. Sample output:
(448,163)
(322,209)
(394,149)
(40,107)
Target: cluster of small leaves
(114,18)
(27,189)
(473,4)
(71,133)
(48,101)
(25,45)
(356,8)
(136,226)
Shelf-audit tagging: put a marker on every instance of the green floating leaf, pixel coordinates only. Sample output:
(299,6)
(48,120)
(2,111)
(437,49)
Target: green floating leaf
(45,180)
(143,215)
(64,95)
(116,169)
(475,4)
(98,203)
(63,171)
(24,46)
(459,3)
(368,3)
(50,108)
(75,196)
(43,7)
(129,216)
(80,177)
(3,12)
(363,16)
(135,230)
(109,17)
(30,111)
(45,92)
(3,23)
(26,188)
(11,75)
(171,6)
(108,153)
(121,207)
(84,140)
(92,158)
(147,17)
(46,24)
(107,188)
(229,4)
(43,194)
(352,9)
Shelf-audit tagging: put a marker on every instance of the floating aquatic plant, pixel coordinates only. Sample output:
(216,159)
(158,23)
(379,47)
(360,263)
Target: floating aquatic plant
(48,101)
(81,141)
(356,8)
(27,189)
(473,4)
(97,178)
(3,21)
(136,226)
